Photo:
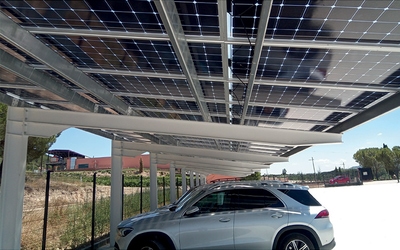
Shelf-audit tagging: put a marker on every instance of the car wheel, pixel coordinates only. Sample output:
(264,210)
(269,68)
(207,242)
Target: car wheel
(296,241)
(150,245)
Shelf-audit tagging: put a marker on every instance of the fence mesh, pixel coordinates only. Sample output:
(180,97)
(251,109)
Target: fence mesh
(70,207)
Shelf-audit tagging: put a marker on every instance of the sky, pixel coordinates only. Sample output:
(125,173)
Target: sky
(383,129)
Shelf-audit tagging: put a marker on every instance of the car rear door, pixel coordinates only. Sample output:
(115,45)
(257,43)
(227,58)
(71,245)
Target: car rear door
(259,215)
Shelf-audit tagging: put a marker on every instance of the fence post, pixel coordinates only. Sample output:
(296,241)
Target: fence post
(141,194)
(163,184)
(46,210)
(177,188)
(93,210)
(123,186)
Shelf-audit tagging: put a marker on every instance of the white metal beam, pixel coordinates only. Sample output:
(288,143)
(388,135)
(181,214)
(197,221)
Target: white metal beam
(116,189)
(223,33)
(184,184)
(230,173)
(45,81)
(37,118)
(211,170)
(273,42)
(201,152)
(357,86)
(12,188)
(191,181)
(197,179)
(16,35)
(153,182)
(211,162)
(171,20)
(261,31)
(172,182)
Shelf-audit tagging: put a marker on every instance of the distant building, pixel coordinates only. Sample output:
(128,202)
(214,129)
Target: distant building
(67,160)
(366,174)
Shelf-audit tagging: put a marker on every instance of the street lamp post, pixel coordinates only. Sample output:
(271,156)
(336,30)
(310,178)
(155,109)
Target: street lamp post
(312,159)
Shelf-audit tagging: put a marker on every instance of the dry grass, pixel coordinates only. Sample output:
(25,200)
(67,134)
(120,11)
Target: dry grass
(62,197)
(69,217)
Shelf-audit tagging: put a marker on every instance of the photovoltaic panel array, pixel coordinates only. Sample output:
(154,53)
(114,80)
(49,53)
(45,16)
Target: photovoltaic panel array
(288,64)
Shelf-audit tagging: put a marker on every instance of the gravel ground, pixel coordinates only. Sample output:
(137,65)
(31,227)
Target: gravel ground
(363,217)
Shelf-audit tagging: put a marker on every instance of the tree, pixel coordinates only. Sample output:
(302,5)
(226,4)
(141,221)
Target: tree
(386,158)
(37,146)
(255,176)
(368,158)
(396,160)
(380,160)
(284,173)
(141,165)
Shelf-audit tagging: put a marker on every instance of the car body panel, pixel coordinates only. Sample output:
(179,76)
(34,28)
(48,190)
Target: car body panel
(238,215)
(339,180)
(216,230)
(255,229)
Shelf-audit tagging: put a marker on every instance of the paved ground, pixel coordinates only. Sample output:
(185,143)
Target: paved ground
(364,217)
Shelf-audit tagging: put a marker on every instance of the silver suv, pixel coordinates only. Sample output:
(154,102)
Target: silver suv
(233,215)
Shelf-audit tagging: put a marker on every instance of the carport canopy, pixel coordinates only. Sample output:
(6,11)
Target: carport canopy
(217,86)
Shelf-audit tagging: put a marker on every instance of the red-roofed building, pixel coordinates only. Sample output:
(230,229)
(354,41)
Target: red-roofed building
(69,160)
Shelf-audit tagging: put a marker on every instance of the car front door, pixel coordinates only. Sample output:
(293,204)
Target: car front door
(211,227)
(259,214)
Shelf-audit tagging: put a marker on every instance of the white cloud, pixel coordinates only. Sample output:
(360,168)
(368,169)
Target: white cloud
(379,134)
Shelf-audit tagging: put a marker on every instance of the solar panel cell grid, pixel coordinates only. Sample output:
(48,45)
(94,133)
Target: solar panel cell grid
(321,62)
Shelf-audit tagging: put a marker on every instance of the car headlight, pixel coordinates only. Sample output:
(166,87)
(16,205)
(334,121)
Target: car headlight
(124,231)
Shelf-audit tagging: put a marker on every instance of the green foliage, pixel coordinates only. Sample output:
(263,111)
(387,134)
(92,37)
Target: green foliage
(37,146)
(104,178)
(3,121)
(79,217)
(254,176)
(384,161)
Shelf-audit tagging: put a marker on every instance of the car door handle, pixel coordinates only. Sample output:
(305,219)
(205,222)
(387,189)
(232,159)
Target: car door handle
(224,219)
(277,215)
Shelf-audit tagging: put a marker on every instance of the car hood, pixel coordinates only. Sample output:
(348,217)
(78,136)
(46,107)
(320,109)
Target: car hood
(159,212)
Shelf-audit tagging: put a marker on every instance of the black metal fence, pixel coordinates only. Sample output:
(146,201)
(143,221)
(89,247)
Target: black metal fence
(77,215)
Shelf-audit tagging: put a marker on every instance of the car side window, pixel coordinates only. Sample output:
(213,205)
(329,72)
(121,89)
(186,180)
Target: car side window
(254,199)
(214,202)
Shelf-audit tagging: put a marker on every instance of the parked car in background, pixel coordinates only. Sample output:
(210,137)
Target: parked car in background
(233,215)
(339,180)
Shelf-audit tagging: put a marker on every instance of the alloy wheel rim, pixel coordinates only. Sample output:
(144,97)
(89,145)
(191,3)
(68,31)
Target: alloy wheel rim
(297,245)
(146,248)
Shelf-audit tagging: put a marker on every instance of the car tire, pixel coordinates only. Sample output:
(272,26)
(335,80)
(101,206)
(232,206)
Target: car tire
(150,245)
(295,241)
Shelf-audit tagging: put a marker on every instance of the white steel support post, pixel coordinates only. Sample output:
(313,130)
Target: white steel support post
(12,190)
(191,180)
(184,184)
(116,189)
(197,179)
(172,182)
(153,182)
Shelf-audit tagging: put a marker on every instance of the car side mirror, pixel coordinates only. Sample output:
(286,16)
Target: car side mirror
(192,210)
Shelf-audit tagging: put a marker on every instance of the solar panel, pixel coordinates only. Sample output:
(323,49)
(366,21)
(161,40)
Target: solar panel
(320,62)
